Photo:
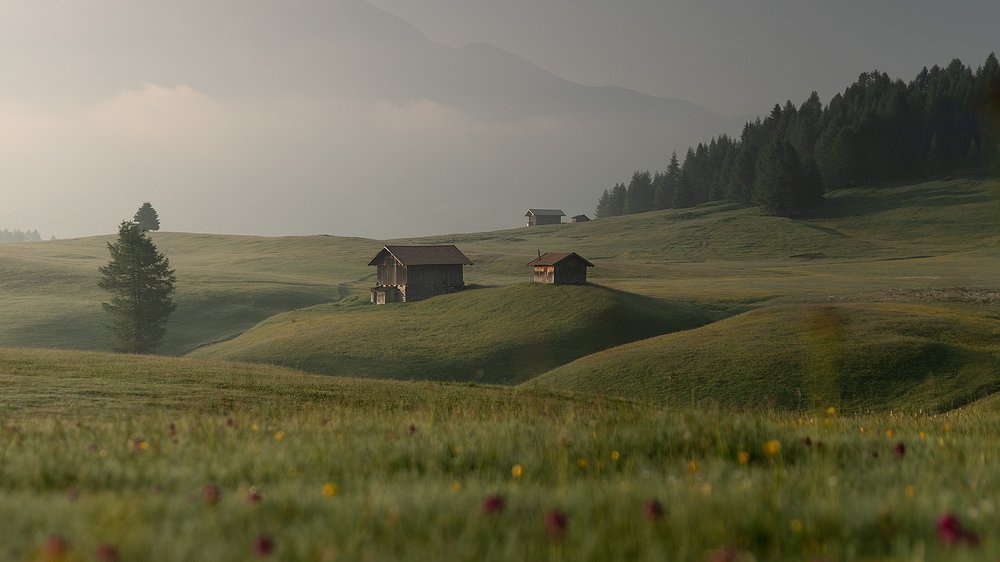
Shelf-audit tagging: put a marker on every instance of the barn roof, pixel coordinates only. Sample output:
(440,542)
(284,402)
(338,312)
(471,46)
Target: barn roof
(552,258)
(424,255)
(546,212)
(585,217)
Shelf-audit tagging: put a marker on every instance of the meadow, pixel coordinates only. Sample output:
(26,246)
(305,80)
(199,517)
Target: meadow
(108,457)
(732,387)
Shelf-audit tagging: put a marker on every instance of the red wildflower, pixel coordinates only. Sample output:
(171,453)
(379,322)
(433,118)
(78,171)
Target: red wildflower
(493,503)
(412,428)
(107,553)
(653,509)
(951,532)
(899,450)
(56,547)
(807,441)
(254,496)
(262,546)
(556,524)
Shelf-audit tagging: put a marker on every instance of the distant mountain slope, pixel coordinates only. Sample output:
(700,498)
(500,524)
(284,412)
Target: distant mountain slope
(502,335)
(907,357)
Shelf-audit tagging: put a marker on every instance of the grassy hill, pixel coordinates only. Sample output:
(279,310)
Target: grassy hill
(865,241)
(884,356)
(495,335)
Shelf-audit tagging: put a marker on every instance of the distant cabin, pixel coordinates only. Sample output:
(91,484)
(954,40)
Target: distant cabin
(413,273)
(560,268)
(538,217)
(580,218)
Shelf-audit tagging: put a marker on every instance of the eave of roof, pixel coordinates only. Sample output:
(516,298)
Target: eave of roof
(424,255)
(546,212)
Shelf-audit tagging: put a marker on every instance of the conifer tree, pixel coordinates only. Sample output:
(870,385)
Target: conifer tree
(147,218)
(141,285)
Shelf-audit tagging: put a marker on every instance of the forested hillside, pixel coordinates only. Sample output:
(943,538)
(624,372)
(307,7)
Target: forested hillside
(878,130)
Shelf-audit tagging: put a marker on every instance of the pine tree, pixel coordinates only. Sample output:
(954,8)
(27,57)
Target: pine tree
(779,186)
(141,284)
(664,196)
(146,218)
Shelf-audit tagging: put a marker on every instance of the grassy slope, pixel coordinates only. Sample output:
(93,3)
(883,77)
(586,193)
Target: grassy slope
(49,295)
(854,356)
(105,449)
(495,335)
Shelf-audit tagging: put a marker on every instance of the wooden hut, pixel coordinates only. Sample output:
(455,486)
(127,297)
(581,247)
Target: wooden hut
(538,217)
(560,268)
(412,273)
(580,218)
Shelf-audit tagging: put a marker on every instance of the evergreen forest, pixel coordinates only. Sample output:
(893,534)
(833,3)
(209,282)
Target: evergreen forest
(878,130)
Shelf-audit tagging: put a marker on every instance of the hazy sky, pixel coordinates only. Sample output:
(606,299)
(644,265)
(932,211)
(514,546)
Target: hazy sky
(736,57)
(332,116)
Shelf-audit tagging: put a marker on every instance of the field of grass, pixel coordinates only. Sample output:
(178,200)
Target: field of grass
(492,335)
(881,356)
(177,459)
(932,235)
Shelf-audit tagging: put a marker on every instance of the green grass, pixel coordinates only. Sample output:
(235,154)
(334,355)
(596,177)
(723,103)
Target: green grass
(493,335)
(72,463)
(882,356)
(722,256)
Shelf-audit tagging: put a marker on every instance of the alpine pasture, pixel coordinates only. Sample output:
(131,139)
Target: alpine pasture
(819,389)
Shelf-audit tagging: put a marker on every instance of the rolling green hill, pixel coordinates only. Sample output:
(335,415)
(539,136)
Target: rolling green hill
(865,242)
(495,335)
(907,357)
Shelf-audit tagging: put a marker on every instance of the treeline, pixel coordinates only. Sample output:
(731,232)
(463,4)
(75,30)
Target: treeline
(8,237)
(878,130)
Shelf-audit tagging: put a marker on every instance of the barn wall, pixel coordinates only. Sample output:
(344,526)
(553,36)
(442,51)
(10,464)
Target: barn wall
(571,272)
(391,272)
(426,281)
(544,219)
(544,274)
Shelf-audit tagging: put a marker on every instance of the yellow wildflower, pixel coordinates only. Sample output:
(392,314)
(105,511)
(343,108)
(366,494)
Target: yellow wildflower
(922,435)
(517,471)
(889,433)
(772,447)
(330,490)
(743,457)
(615,455)
(693,467)
(831,411)
(910,491)
(795,525)
(279,435)
(456,486)
(581,462)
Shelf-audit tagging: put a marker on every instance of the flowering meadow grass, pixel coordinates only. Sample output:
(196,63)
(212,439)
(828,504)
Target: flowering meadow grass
(165,459)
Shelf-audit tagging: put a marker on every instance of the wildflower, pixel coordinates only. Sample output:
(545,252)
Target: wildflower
(922,435)
(889,433)
(412,428)
(210,493)
(807,441)
(899,451)
(517,471)
(951,532)
(831,411)
(330,489)
(172,430)
(230,422)
(947,426)
(279,435)
(56,547)
(653,509)
(254,427)
(581,462)
(556,524)
(107,553)
(139,444)
(693,467)
(456,486)
(254,496)
(262,546)
(772,447)
(493,504)
(910,491)
(743,457)
(615,455)
(795,526)
(706,489)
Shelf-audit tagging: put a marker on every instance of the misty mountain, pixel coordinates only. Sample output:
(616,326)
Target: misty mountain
(351,91)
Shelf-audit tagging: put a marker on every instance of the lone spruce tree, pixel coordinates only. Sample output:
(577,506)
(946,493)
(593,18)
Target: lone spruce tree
(147,218)
(141,284)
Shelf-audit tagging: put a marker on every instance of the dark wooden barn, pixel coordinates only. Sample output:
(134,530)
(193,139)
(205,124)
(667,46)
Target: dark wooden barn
(560,268)
(538,217)
(580,218)
(413,273)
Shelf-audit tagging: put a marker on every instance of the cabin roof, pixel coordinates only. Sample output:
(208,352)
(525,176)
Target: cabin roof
(546,212)
(581,217)
(552,258)
(424,255)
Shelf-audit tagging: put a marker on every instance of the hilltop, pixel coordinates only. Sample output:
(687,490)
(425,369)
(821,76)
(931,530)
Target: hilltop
(491,335)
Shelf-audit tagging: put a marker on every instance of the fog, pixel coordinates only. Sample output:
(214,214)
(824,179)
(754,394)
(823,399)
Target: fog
(316,116)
